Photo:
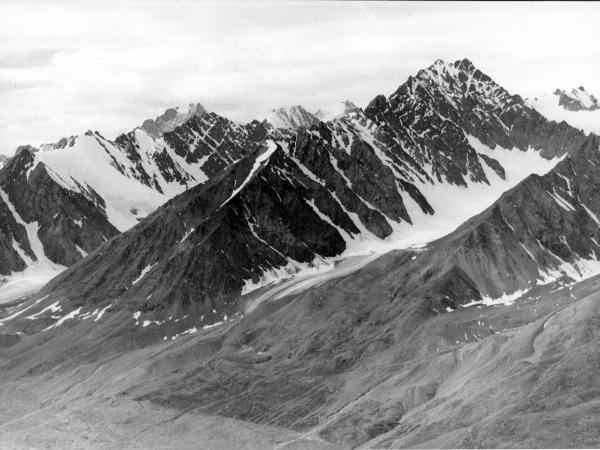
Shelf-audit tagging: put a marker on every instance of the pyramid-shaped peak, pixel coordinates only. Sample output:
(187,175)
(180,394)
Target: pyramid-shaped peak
(460,65)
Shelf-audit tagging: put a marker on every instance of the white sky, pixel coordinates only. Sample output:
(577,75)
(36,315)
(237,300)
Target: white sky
(66,67)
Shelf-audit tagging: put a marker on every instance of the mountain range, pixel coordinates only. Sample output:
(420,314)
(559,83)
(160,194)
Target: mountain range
(342,275)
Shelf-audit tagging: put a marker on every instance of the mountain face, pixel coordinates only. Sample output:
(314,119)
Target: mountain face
(335,188)
(44,223)
(86,189)
(262,212)
(577,100)
(443,104)
(542,231)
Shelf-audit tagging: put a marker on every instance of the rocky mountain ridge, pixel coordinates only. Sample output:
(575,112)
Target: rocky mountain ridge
(322,192)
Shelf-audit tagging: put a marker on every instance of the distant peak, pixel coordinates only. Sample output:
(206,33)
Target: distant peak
(341,109)
(172,118)
(196,109)
(578,99)
(291,117)
(291,109)
(349,107)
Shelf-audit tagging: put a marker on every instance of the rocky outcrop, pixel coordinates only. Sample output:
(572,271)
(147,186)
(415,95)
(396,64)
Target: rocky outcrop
(213,142)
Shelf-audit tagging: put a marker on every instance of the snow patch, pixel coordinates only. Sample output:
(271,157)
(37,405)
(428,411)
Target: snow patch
(143,273)
(72,315)
(503,300)
(54,307)
(21,311)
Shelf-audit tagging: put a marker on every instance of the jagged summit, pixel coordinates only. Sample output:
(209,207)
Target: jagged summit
(172,118)
(461,79)
(578,99)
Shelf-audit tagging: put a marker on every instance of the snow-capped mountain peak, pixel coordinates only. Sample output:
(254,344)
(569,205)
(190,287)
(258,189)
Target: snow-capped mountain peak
(457,81)
(337,111)
(291,117)
(577,99)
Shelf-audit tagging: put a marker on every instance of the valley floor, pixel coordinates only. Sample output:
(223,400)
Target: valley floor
(84,415)
(503,376)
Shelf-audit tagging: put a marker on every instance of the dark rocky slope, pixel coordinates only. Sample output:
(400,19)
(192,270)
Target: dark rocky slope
(65,219)
(546,228)
(194,253)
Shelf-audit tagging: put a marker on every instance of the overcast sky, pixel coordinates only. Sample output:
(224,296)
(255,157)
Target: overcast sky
(66,67)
